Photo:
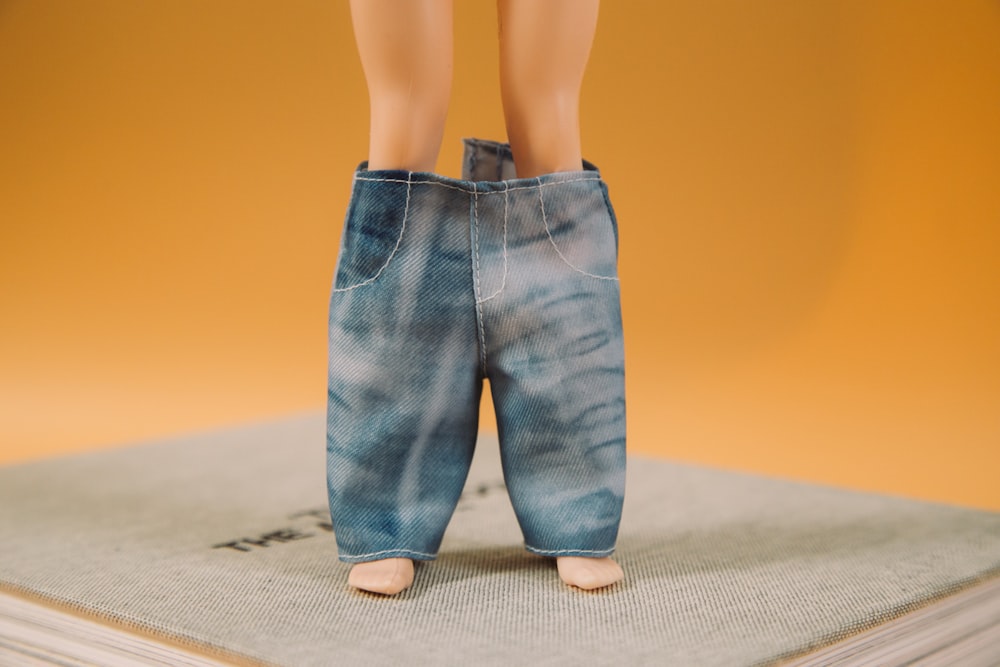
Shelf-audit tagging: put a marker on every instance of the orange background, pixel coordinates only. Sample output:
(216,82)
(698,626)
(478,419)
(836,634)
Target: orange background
(809,198)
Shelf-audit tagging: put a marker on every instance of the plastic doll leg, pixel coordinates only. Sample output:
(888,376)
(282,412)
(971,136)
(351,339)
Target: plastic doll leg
(406,53)
(554,357)
(404,374)
(544,48)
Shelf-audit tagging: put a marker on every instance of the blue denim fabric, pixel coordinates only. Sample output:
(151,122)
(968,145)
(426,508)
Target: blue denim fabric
(442,282)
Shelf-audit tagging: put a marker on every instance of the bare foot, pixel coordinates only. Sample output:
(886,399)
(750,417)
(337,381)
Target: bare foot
(589,573)
(387,576)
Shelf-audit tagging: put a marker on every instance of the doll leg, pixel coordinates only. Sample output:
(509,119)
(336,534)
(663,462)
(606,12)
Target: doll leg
(405,50)
(556,371)
(406,53)
(544,48)
(404,374)
(552,337)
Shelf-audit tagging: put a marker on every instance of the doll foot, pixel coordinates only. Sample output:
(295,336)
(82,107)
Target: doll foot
(387,576)
(589,573)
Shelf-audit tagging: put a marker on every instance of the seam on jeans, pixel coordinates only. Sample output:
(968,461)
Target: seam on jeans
(545,222)
(476,281)
(612,216)
(359,557)
(503,282)
(492,192)
(473,162)
(402,228)
(553,552)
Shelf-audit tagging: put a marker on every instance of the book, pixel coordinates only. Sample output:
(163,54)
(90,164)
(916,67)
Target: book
(216,548)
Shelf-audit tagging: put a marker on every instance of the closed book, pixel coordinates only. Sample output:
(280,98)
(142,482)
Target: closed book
(217,548)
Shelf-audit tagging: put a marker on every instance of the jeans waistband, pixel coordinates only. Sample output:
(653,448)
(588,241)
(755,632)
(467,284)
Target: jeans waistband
(493,152)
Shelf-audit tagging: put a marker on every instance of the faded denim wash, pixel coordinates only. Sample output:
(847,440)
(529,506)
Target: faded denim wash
(443,282)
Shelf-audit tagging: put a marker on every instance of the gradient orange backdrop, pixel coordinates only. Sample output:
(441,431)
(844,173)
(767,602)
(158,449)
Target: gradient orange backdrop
(809,197)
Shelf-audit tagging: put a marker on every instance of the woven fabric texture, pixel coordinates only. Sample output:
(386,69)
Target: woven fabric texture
(221,540)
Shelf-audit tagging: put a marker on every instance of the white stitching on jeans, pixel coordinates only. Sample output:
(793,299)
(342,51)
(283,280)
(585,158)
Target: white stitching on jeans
(387,551)
(475,283)
(494,192)
(402,228)
(503,283)
(545,222)
(569,551)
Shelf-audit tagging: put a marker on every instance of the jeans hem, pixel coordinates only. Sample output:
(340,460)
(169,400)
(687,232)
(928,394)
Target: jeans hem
(387,553)
(583,553)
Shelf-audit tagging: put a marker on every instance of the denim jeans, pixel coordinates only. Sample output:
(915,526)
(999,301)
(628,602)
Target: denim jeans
(443,282)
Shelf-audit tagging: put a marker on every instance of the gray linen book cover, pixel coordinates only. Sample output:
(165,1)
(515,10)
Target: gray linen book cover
(221,542)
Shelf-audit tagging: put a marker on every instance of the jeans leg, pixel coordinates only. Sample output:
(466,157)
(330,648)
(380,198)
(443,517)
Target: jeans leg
(404,379)
(554,356)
